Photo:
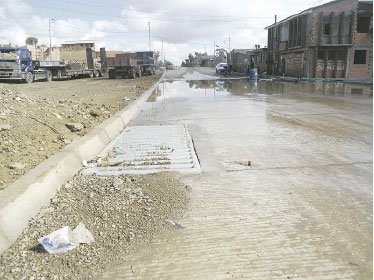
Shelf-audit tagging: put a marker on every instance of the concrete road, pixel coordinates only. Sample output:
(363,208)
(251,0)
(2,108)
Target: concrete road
(286,185)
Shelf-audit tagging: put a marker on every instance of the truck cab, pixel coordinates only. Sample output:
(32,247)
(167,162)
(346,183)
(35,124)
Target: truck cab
(15,63)
(146,60)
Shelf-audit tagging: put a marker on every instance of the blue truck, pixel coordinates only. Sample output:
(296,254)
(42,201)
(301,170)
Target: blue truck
(17,64)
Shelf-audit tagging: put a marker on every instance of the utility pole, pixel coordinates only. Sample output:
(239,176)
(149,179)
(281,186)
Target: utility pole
(274,45)
(204,49)
(214,46)
(162,52)
(149,35)
(50,39)
(230,49)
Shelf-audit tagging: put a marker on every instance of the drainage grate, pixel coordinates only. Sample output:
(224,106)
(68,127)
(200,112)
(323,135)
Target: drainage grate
(147,149)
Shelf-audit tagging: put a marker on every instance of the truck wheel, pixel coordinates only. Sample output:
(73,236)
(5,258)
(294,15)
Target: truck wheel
(29,77)
(91,74)
(132,74)
(111,74)
(58,74)
(97,73)
(48,76)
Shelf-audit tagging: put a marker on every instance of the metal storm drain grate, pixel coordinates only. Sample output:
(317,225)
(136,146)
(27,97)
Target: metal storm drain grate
(147,149)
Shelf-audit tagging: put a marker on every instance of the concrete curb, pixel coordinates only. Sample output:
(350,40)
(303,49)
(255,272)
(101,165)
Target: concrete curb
(23,199)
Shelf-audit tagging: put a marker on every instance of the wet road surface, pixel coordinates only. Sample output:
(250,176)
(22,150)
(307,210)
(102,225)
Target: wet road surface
(286,185)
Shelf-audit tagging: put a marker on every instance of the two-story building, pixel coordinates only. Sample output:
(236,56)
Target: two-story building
(333,40)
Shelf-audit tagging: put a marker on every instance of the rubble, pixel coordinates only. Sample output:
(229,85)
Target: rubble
(16,165)
(43,110)
(74,127)
(5,127)
(121,214)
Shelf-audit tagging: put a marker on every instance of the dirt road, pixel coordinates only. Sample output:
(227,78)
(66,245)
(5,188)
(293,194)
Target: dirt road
(34,117)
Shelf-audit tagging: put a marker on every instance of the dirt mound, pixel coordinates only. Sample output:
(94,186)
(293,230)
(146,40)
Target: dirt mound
(121,212)
(34,117)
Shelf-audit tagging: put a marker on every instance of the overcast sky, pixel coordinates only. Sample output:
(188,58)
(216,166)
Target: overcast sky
(186,25)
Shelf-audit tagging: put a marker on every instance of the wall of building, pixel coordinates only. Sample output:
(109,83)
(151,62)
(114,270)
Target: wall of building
(360,71)
(239,61)
(331,29)
(294,64)
(333,13)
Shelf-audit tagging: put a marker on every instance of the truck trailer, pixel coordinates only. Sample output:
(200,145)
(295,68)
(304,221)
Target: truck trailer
(82,62)
(17,64)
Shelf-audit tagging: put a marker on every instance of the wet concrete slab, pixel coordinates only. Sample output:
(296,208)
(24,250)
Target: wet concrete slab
(286,185)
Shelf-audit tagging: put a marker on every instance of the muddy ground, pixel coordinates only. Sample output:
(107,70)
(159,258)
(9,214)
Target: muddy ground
(123,213)
(33,117)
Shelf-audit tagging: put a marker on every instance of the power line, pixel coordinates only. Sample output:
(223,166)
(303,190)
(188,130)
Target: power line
(103,6)
(187,18)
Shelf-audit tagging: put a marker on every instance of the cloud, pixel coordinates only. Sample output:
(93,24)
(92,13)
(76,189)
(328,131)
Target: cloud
(186,26)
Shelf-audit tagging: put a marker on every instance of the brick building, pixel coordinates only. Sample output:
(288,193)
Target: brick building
(239,59)
(333,40)
(258,59)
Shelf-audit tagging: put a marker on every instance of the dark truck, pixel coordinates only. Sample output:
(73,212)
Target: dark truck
(131,65)
(17,64)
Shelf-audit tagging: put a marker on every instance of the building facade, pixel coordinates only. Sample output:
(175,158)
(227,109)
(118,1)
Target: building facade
(258,59)
(239,59)
(333,40)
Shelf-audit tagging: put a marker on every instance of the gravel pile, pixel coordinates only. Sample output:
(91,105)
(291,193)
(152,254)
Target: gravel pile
(38,119)
(121,212)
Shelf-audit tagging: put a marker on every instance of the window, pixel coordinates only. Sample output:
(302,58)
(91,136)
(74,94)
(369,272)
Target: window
(341,55)
(320,54)
(331,54)
(326,25)
(360,57)
(357,91)
(363,24)
(326,29)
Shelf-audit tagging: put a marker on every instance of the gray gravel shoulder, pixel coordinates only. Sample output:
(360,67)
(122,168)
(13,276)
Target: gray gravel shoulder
(121,212)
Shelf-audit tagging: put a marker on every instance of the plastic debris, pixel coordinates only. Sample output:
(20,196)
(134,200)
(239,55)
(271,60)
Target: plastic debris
(82,234)
(64,239)
(84,163)
(126,99)
(174,224)
(59,241)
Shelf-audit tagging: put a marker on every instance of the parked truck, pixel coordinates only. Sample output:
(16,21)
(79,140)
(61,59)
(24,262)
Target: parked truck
(82,62)
(131,65)
(17,64)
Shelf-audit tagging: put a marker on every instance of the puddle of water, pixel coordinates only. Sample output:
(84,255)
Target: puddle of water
(240,87)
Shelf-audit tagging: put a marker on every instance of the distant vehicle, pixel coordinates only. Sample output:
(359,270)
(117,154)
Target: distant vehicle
(222,68)
(169,66)
(131,65)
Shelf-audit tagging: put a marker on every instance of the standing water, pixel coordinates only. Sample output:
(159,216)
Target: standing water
(286,185)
